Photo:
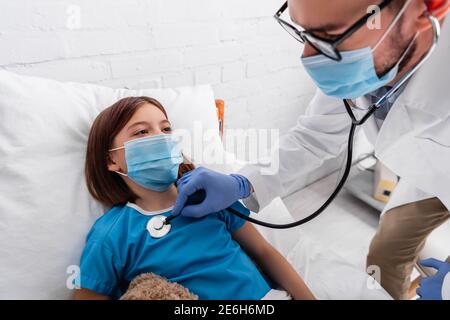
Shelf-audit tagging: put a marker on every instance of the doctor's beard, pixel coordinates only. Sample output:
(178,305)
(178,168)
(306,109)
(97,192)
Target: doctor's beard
(398,43)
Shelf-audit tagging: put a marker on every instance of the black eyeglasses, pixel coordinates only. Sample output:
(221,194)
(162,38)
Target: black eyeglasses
(325,46)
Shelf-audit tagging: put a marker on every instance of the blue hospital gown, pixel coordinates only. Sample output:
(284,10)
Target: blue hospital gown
(199,254)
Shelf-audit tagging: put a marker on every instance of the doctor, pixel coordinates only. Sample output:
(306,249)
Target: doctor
(411,132)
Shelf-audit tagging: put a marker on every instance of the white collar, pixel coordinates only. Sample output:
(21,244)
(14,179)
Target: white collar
(145,212)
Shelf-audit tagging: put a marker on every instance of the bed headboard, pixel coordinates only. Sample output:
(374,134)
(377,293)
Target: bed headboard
(220,106)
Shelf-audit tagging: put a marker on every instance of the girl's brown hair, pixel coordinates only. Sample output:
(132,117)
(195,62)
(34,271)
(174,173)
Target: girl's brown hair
(106,186)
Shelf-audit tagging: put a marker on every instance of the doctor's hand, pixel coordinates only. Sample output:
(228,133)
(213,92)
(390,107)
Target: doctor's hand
(221,192)
(430,288)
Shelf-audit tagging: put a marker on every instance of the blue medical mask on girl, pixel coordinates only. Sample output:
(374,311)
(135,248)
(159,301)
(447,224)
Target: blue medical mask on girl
(355,75)
(153,161)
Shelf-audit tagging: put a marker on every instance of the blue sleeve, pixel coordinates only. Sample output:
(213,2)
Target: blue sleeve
(99,269)
(233,222)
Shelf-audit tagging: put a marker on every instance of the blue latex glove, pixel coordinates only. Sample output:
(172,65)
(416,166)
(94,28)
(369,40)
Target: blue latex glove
(430,288)
(221,191)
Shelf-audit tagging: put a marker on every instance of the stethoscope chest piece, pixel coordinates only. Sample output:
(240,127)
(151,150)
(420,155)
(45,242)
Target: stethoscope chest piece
(157,228)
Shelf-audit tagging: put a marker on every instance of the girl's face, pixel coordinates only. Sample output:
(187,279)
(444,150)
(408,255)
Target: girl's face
(148,120)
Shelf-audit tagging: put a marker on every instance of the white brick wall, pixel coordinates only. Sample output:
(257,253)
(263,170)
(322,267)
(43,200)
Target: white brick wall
(234,45)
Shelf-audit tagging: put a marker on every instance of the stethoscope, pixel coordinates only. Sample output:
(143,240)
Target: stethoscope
(159,226)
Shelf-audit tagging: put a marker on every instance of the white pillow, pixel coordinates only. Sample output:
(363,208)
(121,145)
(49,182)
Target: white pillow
(45,208)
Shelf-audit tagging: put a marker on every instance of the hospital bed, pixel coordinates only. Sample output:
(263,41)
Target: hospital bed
(348,225)
(46,211)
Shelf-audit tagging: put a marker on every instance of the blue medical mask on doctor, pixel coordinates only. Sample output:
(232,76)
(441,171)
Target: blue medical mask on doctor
(355,75)
(153,161)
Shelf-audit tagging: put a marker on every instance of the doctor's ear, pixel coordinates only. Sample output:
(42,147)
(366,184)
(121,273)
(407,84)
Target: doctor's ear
(436,8)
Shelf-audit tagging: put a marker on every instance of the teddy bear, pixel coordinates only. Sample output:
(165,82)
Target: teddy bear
(149,286)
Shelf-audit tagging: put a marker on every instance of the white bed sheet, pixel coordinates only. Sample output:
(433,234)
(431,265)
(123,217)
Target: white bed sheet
(328,275)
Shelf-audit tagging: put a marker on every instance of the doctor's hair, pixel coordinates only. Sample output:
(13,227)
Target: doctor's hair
(105,186)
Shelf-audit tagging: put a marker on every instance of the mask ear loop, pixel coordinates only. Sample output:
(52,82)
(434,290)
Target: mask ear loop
(437,32)
(115,149)
(408,49)
(121,173)
(392,25)
(436,36)
(381,101)
(118,172)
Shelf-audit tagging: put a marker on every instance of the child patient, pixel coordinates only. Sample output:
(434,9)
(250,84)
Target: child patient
(132,163)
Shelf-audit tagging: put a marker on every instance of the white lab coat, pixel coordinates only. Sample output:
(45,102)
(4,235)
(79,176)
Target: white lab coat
(414,141)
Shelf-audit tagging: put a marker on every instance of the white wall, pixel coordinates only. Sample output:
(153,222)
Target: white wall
(235,45)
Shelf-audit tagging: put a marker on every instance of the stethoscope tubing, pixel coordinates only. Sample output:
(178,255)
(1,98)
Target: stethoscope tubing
(355,123)
(325,205)
(338,188)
